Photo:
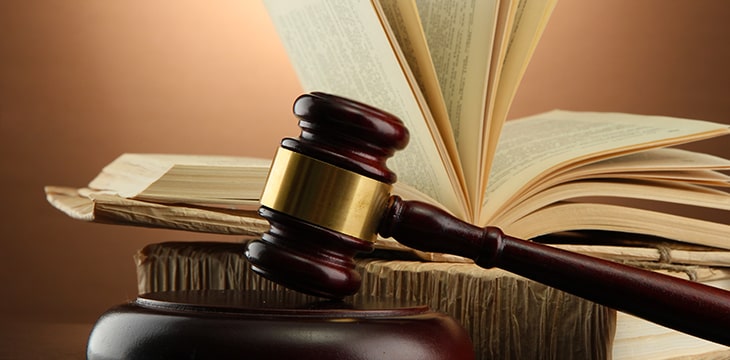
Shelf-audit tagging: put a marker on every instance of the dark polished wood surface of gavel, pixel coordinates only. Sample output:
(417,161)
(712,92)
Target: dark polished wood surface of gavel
(327,198)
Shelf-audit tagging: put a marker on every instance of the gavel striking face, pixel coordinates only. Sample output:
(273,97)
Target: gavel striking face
(328,196)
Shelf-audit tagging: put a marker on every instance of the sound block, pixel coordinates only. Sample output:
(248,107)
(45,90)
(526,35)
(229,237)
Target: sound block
(226,324)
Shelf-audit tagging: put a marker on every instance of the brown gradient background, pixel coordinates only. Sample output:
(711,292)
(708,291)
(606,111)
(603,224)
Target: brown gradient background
(82,81)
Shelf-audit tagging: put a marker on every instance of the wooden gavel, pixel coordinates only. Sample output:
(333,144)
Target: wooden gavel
(328,196)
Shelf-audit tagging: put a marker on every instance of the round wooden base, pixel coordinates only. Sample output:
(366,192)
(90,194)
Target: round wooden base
(264,325)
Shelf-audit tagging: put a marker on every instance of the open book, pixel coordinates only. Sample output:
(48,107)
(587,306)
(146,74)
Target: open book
(449,70)
(553,172)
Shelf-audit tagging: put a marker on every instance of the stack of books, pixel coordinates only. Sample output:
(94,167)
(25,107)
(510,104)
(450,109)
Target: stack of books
(506,316)
(582,181)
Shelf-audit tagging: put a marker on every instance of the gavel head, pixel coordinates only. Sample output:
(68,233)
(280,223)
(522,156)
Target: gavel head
(325,195)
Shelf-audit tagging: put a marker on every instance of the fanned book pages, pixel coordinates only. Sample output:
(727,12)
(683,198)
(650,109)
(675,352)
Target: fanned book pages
(450,73)
(553,172)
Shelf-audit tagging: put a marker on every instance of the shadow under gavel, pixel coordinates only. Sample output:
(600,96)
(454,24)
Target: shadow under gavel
(328,196)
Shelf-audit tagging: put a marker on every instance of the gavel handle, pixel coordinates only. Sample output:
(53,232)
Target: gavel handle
(686,306)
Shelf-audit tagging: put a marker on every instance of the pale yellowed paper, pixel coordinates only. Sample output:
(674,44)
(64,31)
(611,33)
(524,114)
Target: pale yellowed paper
(460,36)
(530,20)
(347,38)
(404,21)
(535,147)
(666,191)
(580,216)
